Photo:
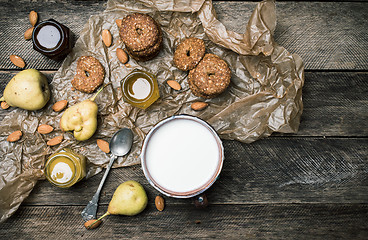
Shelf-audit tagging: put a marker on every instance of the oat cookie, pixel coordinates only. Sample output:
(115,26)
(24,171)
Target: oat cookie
(189,53)
(139,32)
(90,74)
(148,53)
(210,77)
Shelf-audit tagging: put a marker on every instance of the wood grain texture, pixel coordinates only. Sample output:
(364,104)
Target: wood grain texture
(326,35)
(14,22)
(334,103)
(270,221)
(272,170)
(308,185)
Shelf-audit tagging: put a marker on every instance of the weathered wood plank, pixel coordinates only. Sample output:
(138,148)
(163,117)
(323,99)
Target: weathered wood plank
(14,22)
(325,34)
(272,170)
(334,103)
(271,221)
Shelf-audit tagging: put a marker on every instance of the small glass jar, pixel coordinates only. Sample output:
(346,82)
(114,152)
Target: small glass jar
(65,168)
(140,89)
(52,39)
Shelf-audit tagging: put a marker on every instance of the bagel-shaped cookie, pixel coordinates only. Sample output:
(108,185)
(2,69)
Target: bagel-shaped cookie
(139,31)
(210,77)
(90,74)
(148,53)
(189,53)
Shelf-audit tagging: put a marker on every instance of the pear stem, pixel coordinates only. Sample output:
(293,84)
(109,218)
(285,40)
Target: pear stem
(106,214)
(94,97)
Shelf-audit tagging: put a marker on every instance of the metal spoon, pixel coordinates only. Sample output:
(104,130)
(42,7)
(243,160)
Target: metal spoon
(120,144)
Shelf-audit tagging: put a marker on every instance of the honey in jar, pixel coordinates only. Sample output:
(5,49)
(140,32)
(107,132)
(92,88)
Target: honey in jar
(65,168)
(140,89)
(52,39)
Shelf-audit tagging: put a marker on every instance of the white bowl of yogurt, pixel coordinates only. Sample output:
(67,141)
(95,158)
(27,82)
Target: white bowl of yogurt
(182,156)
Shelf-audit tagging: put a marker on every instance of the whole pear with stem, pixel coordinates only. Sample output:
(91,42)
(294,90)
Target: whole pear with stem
(129,199)
(81,118)
(28,90)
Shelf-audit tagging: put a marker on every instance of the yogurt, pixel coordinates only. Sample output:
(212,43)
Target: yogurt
(49,36)
(182,156)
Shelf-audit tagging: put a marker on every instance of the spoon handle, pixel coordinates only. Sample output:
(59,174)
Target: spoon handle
(90,210)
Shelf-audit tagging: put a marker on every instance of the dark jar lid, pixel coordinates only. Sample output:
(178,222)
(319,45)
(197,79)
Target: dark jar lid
(52,39)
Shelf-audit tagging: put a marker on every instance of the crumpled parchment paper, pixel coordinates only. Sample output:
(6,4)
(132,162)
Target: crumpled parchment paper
(265,94)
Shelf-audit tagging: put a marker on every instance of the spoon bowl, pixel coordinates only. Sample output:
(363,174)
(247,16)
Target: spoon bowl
(121,142)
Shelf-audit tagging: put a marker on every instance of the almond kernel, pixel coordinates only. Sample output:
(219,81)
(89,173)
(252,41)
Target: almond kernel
(45,129)
(92,224)
(119,22)
(17,61)
(106,37)
(160,203)
(33,18)
(55,141)
(174,84)
(28,33)
(14,136)
(103,145)
(4,105)
(60,105)
(198,106)
(122,56)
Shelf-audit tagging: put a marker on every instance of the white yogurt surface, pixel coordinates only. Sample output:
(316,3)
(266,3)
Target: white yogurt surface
(48,36)
(61,172)
(141,88)
(182,155)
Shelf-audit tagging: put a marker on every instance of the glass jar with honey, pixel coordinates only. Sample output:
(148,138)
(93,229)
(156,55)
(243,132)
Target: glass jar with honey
(65,168)
(140,89)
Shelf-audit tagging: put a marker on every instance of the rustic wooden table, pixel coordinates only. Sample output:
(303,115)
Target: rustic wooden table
(308,185)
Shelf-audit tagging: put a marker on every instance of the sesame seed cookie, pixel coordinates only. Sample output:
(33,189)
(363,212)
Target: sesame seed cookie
(90,74)
(210,77)
(189,53)
(139,31)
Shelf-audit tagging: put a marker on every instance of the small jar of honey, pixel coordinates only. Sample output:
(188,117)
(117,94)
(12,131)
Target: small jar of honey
(140,89)
(52,39)
(65,168)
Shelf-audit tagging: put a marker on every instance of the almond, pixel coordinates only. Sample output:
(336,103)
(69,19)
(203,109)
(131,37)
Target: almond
(17,61)
(174,84)
(198,106)
(106,37)
(28,33)
(160,203)
(92,224)
(33,18)
(15,136)
(55,141)
(103,145)
(45,129)
(119,22)
(4,105)
(122,56)
(60,105)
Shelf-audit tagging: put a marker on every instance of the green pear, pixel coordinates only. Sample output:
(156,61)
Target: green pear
(28,90)
(81,118)
(129,199)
